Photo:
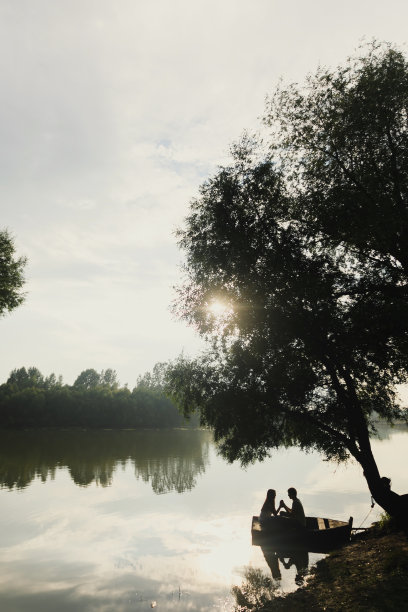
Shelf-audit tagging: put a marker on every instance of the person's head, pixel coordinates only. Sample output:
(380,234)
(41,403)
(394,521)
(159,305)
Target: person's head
(386,482)
(292,492)
(271,494)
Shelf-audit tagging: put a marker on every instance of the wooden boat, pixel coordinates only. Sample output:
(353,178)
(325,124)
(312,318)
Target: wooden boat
(319,535)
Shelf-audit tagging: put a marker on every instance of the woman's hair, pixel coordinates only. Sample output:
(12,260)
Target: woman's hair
(271,494)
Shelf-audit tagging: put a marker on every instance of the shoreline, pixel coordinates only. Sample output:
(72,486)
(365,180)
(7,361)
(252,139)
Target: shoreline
(370,573)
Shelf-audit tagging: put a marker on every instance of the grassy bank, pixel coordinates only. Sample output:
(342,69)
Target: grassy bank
(368,574)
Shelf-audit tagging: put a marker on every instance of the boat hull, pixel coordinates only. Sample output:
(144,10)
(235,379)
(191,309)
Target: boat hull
(319,535)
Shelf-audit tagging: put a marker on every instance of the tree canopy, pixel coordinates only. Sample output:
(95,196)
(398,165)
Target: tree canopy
(11,275)
(91,379)
(303,239)
(95,400)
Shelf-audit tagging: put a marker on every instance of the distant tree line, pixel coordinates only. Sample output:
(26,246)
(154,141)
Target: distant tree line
(95,400)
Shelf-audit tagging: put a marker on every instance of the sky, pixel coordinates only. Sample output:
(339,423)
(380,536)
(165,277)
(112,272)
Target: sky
(113,114)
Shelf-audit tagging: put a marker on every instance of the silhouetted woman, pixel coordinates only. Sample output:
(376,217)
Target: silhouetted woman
(268,509)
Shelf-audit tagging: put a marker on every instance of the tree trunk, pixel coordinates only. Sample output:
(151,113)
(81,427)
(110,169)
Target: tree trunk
(380,486)
(394,504)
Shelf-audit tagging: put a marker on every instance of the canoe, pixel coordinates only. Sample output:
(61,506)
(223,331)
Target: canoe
(319,535)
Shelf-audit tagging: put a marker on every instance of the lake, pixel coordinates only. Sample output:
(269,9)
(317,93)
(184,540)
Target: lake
(118,521)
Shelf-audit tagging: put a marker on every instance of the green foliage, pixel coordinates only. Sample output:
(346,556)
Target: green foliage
(11,275)
(385,524)
(91,379)
(154,379)
(22,378)
(28,399)
(293,332)
(109,379)
(88,379)
(347,136)
(304,240)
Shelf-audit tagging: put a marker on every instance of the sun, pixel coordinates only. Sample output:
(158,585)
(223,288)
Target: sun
(218,308)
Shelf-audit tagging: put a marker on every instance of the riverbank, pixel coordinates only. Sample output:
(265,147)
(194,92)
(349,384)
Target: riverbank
(368,574)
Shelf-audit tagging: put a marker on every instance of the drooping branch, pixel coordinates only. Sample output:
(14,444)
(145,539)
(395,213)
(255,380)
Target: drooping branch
(334,433)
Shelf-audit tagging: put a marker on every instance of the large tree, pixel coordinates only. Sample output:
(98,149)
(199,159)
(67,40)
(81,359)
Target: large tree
(303,239)
(88,379)
(11,275)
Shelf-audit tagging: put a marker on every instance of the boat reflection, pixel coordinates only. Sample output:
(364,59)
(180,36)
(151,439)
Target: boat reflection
(287,559)
(287,549)
(259,588)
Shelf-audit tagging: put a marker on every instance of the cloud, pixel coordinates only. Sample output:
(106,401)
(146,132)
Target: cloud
(112,116)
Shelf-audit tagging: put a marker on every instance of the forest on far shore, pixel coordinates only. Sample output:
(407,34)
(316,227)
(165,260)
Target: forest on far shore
(95,400)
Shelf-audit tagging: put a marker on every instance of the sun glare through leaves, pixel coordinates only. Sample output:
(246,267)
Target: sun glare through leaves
(218,308)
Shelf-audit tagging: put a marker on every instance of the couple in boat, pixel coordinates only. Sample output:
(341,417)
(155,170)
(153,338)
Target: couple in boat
(295,513)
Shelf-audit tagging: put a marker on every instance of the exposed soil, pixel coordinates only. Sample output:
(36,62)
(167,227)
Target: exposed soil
(368,574)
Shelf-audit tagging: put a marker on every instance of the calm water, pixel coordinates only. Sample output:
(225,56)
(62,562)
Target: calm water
(114,521)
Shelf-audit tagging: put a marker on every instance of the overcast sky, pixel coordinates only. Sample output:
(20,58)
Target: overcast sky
(113,112)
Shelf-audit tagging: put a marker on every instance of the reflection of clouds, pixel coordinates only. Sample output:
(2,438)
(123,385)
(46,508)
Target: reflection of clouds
(105,576)
(152,553)
(117,548)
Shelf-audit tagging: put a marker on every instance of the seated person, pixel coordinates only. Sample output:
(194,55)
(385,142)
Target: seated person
(268,509)
(296,512)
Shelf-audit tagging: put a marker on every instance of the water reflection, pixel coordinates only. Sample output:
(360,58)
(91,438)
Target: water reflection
(118,548)
(170,463)
(287,558)
(258,588)
(256,591)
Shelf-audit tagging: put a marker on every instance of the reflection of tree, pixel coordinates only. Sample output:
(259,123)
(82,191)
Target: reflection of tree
(83,474)
(168,459)
(258,589)
(174,466)
(255,592)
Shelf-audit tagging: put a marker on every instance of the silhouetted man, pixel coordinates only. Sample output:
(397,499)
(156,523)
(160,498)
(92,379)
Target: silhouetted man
(296,512)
